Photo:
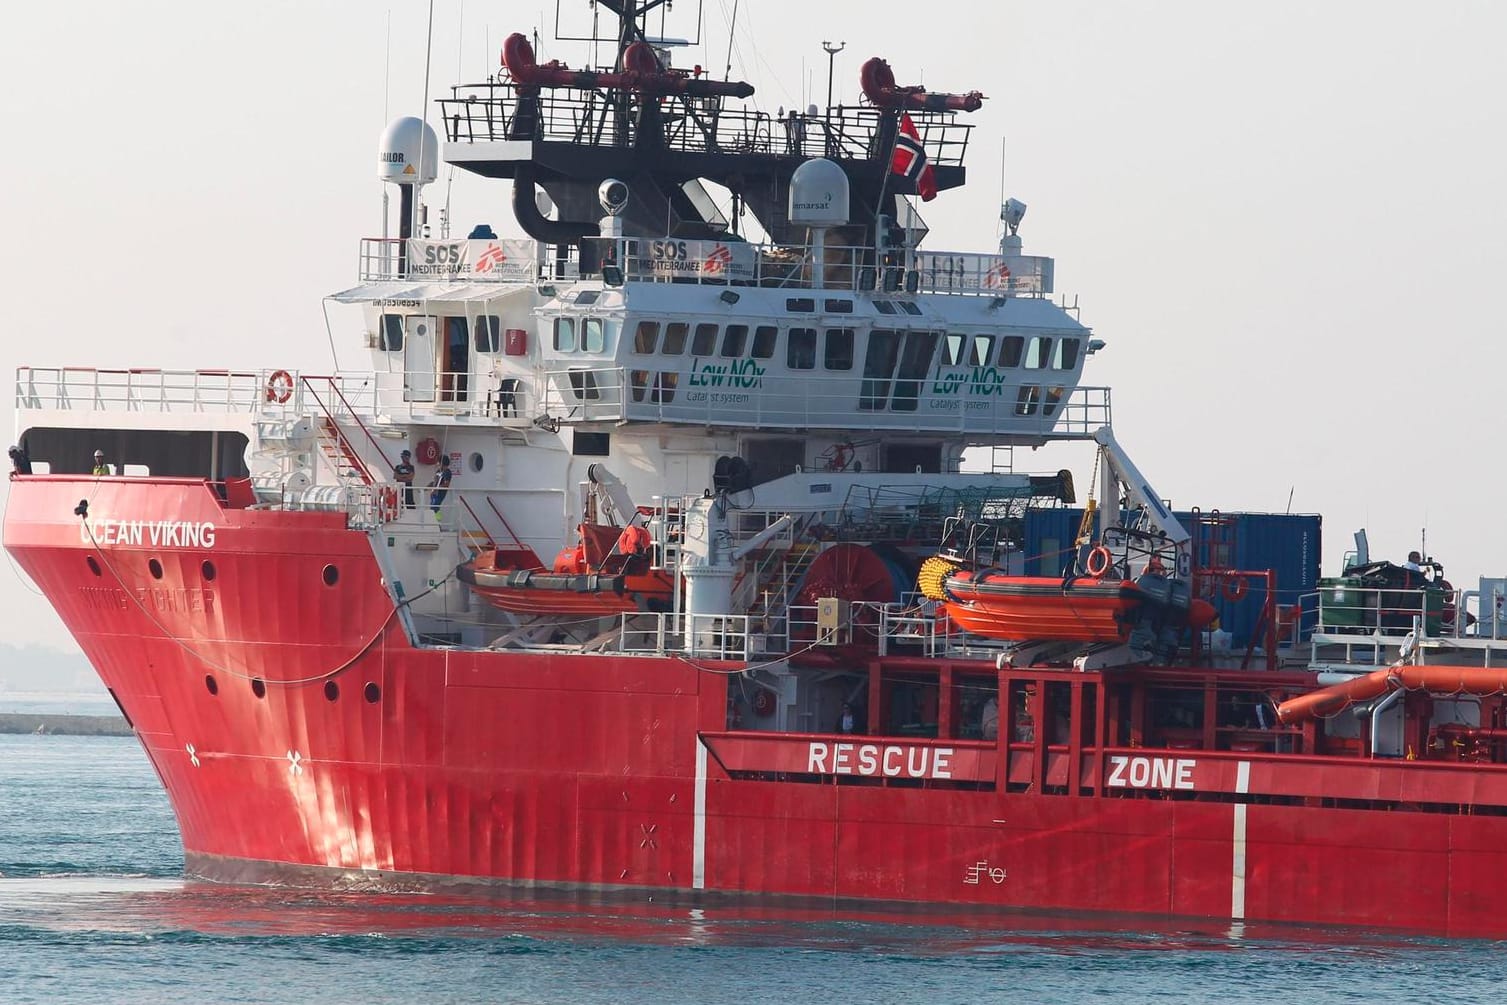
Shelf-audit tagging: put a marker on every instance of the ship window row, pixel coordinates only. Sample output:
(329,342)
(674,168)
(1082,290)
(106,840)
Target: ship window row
(1040,352)
(486,329)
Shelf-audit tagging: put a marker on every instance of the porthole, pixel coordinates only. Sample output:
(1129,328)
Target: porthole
(477,461)
(331,690)
(373,693)
(155,568)
(208,568)
(331,575)
(210,684)
(93,565)
(258,687)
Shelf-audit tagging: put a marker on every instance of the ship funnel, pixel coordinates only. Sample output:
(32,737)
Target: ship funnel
(408,153)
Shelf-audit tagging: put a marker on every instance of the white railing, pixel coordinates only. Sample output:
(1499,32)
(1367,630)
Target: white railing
(87,389)
(832,268)
(736,637)
(612,393)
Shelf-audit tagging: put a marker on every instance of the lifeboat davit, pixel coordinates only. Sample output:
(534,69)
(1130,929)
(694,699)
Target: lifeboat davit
(608,573)
(997,606)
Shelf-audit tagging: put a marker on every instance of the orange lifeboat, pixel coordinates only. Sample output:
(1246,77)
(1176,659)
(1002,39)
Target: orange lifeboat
(997,606)
(606,574)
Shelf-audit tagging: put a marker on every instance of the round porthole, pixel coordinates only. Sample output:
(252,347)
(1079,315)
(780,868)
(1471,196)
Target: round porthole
(331,575)
(331,690)
(208,568)
(477,462)
(373,693)
(93,565)
(259,687)
(210,684)
(155,568)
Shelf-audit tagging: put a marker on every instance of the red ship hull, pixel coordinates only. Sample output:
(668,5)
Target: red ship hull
(427,767)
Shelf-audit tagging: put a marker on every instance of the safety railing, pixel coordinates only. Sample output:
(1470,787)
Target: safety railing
(140,390)
(752,398)
(735,637)
(491,112)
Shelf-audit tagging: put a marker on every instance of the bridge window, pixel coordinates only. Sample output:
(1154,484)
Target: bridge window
(390,337)
(839,306)
(664,387)
(909,307)
(593,335)
(1011,349)
(489,333)
(1053,399)
(734,341)
(705,342)
(675,337)
(981,351)
(1067,354)
(1027,399)
(565,334)
(801,305)
(878,366)
(638,382)
(885,306)
(1038,353)
(952,349)
(587,297)
(839,349)
(646,338)
(800,353)
(765,337)
(915,361)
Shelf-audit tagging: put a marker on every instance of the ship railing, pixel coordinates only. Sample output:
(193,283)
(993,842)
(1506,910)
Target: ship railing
(1369,625)
(85,389)
(734,637)
(491,113)
(493,261)
(612,393)
(832,268)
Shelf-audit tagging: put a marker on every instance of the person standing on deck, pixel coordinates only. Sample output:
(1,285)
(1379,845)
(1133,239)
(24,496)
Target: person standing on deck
(100,467)
(440,485)
(402,473)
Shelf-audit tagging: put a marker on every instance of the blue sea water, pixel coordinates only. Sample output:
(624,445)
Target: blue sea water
(93,909)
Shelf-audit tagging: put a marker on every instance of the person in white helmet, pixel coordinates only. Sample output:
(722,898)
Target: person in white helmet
(100,467)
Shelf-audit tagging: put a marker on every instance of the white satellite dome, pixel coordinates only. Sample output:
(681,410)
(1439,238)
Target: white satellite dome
(819,194)
(409,153)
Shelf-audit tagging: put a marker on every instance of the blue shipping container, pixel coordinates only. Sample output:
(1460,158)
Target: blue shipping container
(1288,544)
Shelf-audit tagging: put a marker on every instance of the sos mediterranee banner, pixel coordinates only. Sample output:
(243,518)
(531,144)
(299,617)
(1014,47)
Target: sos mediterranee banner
(486,259)
(707,259)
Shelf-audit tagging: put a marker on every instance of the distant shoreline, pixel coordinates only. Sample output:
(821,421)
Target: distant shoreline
(64,725)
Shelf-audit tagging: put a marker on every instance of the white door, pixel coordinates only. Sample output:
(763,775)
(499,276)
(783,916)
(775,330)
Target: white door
(418,357)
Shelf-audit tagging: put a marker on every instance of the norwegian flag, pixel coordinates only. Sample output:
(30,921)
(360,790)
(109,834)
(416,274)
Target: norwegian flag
(910,160)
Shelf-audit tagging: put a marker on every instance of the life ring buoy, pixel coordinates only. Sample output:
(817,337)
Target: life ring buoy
(1234,589)
(1099,561)
(428,451)
(763,702)
(279,386)
(387,503)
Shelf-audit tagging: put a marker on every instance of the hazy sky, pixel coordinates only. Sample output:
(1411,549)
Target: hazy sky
(1285,218)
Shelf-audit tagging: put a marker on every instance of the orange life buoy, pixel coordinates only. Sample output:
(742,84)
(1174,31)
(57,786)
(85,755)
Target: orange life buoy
(280,386)
(387,502)
(1099,561)
(428,451)
(1234,589)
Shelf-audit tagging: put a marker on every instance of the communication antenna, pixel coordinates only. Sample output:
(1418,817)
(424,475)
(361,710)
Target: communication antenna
(732,23)
(424,108)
